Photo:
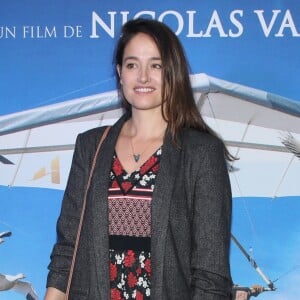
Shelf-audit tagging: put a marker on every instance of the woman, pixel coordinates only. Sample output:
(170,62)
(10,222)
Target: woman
(158,214)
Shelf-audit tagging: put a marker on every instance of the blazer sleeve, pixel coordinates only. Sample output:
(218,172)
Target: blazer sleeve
(211,226)
(68,220)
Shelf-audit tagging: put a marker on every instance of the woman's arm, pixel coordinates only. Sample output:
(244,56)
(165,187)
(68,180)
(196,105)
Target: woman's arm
(68,221)
(211,227)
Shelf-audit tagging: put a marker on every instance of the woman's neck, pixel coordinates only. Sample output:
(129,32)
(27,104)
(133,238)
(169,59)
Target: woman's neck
(145,126)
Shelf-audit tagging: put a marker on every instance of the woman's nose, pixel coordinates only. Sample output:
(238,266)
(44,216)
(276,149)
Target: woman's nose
(144,75)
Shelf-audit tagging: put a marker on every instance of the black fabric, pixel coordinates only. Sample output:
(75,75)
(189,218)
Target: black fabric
(121,242)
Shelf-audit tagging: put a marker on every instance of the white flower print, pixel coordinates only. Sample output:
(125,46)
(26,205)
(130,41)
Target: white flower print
(140,281)
(145,284)
(143,182)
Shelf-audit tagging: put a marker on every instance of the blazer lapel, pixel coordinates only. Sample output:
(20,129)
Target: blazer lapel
(98,195)
(162,196)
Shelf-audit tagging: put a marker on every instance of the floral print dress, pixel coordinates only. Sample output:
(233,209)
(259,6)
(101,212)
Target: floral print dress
(129,203)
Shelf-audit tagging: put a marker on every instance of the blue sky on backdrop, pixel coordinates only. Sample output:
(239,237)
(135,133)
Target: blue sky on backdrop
(36,70)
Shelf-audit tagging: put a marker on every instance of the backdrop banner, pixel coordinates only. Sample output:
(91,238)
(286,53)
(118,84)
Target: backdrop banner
(57,79)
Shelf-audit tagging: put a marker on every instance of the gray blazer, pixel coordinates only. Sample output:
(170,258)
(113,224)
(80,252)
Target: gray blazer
(191,219)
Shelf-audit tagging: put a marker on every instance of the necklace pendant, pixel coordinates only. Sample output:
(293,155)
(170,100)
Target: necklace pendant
(136,157)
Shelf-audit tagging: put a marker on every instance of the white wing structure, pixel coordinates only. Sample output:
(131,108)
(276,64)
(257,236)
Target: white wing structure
(261,129)
(36,146)
(255,125)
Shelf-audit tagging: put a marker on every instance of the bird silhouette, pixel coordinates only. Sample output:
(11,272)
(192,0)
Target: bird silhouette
(289,141)
(3,235)
(13,282)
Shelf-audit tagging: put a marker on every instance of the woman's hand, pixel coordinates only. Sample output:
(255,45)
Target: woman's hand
(54,294)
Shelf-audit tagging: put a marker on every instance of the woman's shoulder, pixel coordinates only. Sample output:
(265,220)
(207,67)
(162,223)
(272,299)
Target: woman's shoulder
(98,131)
(196,138)
(92,134)
(200,146)
(89,139)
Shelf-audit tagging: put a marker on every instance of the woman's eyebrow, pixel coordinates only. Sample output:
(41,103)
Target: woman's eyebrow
(136,58)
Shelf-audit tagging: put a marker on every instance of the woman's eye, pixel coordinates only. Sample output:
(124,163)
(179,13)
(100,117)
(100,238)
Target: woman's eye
(130,65)
(156,66)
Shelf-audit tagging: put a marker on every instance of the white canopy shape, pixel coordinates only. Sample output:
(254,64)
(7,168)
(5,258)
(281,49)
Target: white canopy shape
(261,129)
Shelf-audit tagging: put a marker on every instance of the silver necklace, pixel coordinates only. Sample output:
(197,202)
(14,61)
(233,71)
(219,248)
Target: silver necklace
(137,156)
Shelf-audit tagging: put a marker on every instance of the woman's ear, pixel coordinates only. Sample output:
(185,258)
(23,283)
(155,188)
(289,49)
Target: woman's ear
(119,73)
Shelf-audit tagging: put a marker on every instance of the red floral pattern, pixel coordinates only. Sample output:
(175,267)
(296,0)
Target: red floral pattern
(148,164)
(130,275)
(115,184)
(148,266)
(129,259)
(139,296)
(113,272)
(126,186)
(130,271)
(140,178)
(117,167)
(115,294)
(132,280)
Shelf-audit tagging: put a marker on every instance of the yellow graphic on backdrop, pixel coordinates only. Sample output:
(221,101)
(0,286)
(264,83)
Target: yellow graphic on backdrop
(54,171)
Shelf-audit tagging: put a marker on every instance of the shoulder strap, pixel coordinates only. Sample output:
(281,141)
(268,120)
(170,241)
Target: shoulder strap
(83,210)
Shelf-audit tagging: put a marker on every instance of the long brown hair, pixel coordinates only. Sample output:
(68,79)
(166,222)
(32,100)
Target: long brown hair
(179,109)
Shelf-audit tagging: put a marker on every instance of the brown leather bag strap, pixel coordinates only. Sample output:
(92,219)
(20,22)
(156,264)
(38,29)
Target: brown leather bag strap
(83,210)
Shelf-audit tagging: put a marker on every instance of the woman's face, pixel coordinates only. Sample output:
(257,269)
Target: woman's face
(141,73)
